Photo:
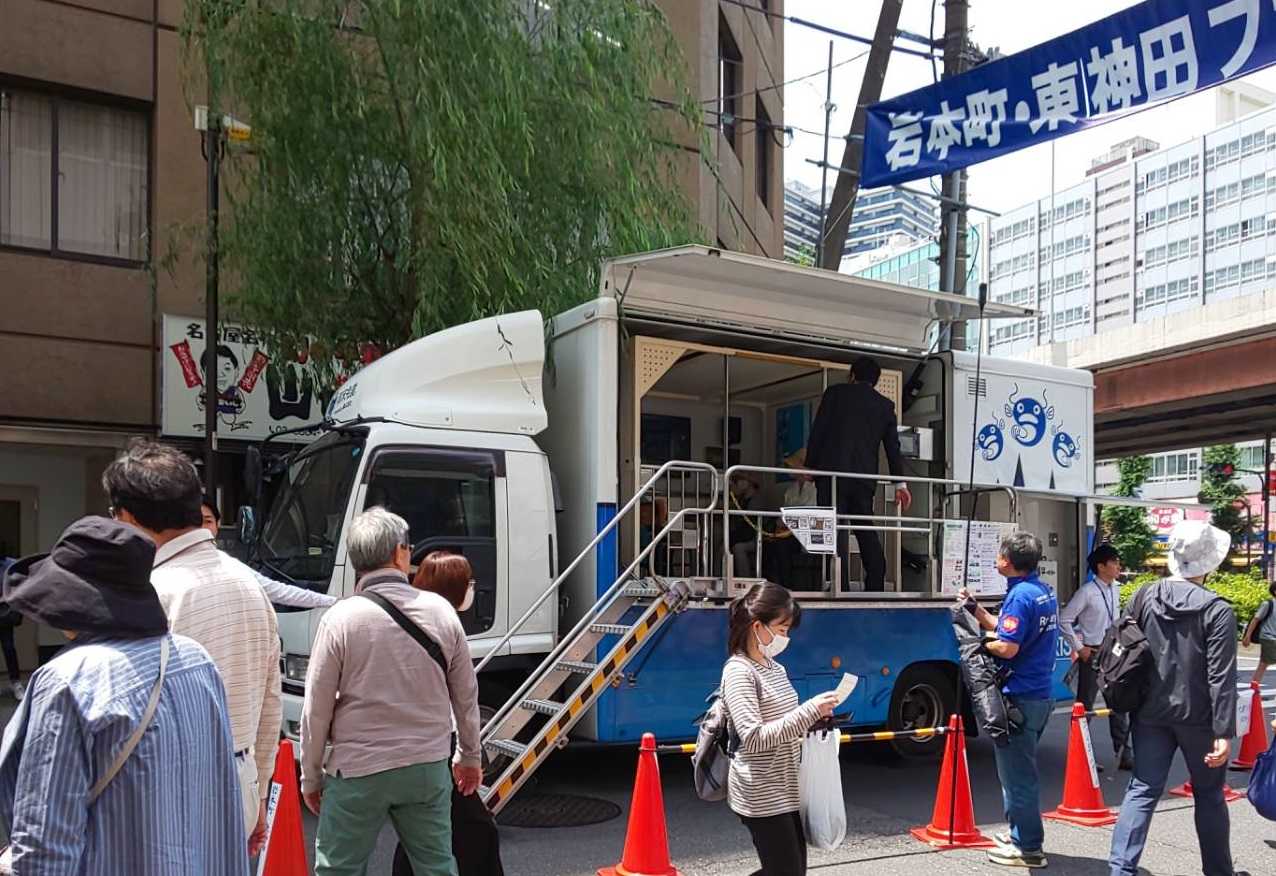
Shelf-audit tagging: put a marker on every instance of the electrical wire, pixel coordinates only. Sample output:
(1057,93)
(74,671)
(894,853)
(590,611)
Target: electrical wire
(820,72)
(822,28)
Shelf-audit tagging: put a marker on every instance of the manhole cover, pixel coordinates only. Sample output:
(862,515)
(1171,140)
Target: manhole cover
(557,810)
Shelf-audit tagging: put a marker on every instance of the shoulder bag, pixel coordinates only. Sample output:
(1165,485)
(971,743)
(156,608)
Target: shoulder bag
(6,855)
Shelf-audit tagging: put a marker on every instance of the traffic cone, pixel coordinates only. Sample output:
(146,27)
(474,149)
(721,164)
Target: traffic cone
(1230,794)
(957,810)
(1254,741)
(1082,799)
(285,851)
(646,843)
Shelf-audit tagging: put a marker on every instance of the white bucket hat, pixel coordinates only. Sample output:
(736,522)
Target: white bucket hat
(1197,548)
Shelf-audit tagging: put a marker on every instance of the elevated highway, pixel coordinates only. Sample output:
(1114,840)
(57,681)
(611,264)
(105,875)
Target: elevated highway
(1202,376)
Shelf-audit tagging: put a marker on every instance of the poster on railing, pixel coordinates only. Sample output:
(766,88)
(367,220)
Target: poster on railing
(981,578)
(814,528)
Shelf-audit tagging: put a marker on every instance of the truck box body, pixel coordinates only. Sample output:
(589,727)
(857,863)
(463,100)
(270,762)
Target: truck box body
(716,358)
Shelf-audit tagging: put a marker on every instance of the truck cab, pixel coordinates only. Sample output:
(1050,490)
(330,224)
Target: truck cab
(450,449)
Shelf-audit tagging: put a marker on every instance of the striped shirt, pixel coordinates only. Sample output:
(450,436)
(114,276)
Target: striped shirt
(763,709)
(214,599)
(174,807)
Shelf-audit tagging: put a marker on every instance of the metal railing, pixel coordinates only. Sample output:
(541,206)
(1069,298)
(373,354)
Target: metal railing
(565,641)
(901,523)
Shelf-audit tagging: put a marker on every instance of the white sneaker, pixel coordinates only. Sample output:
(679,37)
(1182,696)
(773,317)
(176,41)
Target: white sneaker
(19,690)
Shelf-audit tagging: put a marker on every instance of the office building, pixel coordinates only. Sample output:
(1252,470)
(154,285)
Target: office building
(1148,233)
(879,218)
(736,55)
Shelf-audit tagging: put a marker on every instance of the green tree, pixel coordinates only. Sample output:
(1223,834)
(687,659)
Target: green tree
(805,256)
(1224,492)
(1127,527)
(422,163)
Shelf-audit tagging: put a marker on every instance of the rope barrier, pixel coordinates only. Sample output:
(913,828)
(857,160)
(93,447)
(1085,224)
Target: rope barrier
(843,738)
(877,736)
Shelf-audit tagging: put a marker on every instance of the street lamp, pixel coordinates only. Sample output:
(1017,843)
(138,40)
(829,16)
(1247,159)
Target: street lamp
(216,130)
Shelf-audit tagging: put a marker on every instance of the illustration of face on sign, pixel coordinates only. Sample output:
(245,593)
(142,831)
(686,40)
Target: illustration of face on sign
(1029,416)
(236,374)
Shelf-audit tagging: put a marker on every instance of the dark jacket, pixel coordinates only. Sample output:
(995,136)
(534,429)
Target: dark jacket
(1192,634)
(853,419)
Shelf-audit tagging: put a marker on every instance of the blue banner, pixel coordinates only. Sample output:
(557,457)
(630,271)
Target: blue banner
(1149,53)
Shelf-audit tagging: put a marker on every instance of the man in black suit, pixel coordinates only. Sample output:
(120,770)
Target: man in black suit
(853,420)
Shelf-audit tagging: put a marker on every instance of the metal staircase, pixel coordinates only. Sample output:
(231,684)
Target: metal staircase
(557,694)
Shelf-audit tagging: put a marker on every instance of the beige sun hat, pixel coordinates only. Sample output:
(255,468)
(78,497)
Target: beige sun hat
(1196,548)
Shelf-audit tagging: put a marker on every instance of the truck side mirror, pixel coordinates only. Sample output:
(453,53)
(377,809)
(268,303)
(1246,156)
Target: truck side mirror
(247,525)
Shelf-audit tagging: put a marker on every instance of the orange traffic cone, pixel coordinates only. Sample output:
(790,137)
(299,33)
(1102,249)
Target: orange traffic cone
(1230,794)
(1082,800)
(285,851)
(646,843)
(1254,742)
(952,825)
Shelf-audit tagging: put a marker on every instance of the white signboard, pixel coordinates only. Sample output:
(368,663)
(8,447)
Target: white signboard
(259,393)
(1032,426)
(981,579)
(814,528)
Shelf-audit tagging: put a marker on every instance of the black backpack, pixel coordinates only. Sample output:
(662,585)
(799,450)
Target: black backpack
(1125,660)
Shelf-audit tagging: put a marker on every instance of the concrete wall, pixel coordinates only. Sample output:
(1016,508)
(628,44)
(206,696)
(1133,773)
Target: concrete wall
(77,344)
(727,204)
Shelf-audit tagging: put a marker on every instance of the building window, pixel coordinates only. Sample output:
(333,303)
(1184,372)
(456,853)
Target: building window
(73,176)
(730,83)
(762,140)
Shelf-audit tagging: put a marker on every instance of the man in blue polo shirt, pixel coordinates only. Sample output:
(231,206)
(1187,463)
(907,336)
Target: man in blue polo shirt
(1027,634)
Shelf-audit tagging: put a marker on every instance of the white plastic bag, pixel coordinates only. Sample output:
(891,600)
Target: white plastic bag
(823,810)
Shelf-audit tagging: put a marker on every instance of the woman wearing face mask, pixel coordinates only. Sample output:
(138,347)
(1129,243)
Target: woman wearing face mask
(476,844)
(448,575)
(769,722)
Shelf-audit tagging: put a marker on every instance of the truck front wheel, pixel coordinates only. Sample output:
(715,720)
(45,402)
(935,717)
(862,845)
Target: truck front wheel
(924,696)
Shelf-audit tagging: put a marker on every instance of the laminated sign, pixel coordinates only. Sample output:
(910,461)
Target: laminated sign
(814,528)
(980,575)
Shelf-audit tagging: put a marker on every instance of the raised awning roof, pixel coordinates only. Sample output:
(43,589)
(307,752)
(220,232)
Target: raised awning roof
(731,289)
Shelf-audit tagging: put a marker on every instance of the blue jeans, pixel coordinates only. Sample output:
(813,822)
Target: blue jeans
(1017,769)
(1154,747)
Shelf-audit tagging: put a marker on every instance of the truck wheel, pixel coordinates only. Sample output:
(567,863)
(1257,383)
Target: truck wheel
(924,696)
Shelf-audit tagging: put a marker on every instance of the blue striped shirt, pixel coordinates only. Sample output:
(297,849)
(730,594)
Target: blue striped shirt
(174,808)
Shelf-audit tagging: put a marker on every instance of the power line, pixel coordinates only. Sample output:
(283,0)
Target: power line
(819,72)
(823,28)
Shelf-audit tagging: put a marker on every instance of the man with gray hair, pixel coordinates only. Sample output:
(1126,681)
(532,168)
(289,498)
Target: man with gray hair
(388,670)
(1027,635)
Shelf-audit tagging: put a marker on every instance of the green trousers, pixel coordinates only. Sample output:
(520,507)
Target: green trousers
(418,800)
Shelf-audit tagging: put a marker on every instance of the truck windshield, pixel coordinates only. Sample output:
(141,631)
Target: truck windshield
(299,539)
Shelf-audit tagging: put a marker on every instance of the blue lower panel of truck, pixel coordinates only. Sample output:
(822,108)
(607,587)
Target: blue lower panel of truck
(664,686)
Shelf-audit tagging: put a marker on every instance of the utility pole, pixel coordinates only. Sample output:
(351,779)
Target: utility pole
(838,219)
(824,166)
(952,237)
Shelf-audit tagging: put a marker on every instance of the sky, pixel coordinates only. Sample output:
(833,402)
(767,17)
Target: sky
(1003,183)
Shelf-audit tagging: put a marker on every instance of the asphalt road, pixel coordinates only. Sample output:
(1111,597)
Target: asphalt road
(885,796)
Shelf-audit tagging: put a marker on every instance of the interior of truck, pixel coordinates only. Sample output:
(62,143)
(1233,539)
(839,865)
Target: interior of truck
(751,411)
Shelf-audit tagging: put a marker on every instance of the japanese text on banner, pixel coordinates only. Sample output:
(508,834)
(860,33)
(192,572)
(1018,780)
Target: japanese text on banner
(1157,50)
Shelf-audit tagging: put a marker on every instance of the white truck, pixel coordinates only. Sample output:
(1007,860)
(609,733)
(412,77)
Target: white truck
(583,465)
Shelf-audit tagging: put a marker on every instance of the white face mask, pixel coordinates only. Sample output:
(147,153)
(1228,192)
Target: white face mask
(775,647)
(468,601)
